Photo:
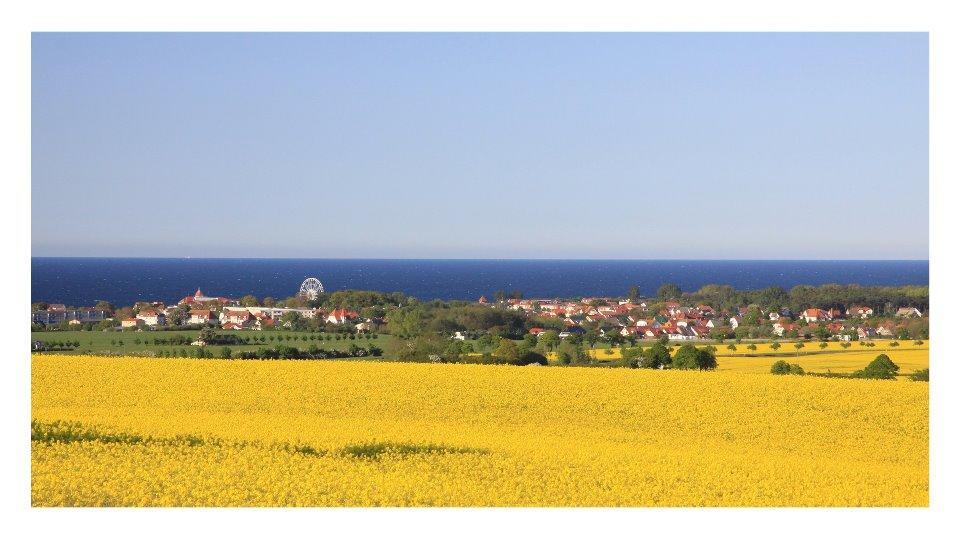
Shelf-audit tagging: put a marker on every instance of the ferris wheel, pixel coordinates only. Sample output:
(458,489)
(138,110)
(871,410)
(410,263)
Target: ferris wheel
(311,288)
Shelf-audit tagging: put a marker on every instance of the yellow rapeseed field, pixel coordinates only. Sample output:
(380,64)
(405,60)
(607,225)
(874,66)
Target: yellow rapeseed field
(834,358)
(186,432)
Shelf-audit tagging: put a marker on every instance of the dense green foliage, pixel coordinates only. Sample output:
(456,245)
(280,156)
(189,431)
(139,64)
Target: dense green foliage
(781,367)
(881,368)
(691,357)
(883,299)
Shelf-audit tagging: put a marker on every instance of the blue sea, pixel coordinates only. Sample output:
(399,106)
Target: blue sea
(123,281)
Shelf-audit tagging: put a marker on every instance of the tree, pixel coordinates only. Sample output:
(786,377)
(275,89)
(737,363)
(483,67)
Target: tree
(293,320)
(732,347)
(823,345)
(633,294)
(655,357)
(530,358)
(752,347)
(922,375)
(249,301)
(407,322)
(668,291)
(226,353)
(208,335)
(752,316)
(591,337)
(528,343)
(798,346)
(507,351)
(569,353)
(821,333)
(104,306)
(881,368)
(774,346)
(548,340)
(422,347)
(719,334)
(486,341)
(780,367)
(690,357)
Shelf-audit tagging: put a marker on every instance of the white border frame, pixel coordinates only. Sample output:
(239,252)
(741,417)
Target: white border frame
(426,15)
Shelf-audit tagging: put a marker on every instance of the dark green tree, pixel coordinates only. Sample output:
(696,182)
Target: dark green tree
(668,291)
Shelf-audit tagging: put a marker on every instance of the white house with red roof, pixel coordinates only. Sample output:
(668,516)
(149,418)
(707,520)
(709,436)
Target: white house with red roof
(130,322)
(815,315)
(199,298)
(151,317)
(860,310)
(237,318)
(199,316)
(341,316)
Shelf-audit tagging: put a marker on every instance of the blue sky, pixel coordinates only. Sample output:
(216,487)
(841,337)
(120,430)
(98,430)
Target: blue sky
(480,145)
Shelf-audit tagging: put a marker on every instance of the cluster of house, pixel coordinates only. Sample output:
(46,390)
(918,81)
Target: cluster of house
(203,310)
(678,322)
(229,314)
(58,313)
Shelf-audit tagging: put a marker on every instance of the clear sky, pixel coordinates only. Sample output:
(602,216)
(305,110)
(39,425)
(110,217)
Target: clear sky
(480,145)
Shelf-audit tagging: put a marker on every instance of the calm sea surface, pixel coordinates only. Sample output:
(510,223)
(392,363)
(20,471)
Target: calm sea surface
(123,281)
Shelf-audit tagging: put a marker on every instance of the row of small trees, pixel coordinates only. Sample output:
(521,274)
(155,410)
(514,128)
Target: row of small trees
(280,351)
(881,368)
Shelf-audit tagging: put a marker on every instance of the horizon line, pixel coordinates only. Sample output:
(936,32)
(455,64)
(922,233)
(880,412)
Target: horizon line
(494,259)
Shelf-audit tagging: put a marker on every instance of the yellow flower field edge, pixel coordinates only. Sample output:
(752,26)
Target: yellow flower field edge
(834,358)
(186,432)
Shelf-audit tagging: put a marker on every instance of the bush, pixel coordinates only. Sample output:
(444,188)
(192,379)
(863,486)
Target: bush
(654,357)
(782,367)
(881,368)
(507,351)
(530,358)
(690,357)
(923,375)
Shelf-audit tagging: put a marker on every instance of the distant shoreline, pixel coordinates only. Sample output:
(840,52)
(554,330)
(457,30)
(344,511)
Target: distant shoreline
(124,281)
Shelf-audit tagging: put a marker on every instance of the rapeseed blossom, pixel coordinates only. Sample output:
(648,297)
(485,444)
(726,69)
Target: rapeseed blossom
(187,432)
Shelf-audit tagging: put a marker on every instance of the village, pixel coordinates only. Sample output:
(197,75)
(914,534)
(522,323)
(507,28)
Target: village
(197,310)
(607,317)
(676,322)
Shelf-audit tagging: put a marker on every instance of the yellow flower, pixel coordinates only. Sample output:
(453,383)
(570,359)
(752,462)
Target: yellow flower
(186,432)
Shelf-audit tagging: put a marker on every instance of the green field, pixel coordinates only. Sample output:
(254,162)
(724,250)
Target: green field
(142,343)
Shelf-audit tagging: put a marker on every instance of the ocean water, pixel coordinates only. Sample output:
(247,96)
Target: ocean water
(123,281)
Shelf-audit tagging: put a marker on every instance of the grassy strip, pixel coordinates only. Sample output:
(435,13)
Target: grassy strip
(64,432)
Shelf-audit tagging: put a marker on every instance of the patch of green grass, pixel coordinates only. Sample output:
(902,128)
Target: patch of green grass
(375,450)
(65,432)
(141,343)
